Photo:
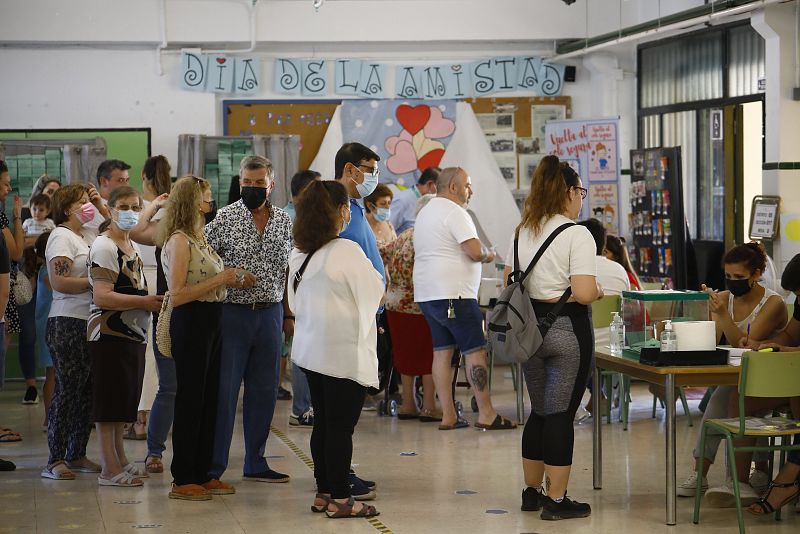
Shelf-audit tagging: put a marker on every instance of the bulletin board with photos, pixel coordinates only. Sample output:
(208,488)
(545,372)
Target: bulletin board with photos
(514,128)
(307,118)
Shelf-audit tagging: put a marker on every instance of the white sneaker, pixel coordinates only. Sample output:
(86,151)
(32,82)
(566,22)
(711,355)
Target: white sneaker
(582,415)
(759,480)
(687,487)
(723,496)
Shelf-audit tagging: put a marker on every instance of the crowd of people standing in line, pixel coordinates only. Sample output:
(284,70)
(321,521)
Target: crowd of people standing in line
(319,280)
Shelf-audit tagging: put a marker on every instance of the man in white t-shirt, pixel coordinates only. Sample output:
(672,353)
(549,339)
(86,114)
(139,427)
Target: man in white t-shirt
(610,275)
(447,273)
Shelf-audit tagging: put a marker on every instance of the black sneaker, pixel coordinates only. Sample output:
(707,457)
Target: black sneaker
(359,490)
(531,500)
(31,396)
(371,484)
(284,394)
(304,421)
(566,509)
(267,476)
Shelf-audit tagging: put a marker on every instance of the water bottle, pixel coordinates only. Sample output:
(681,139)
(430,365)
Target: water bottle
(620,334)
(614,331)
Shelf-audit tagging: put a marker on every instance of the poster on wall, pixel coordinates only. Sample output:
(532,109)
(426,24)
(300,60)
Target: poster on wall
(527,166)
(591,147)
(603,204)
(409,136)
(496,122)
(540,116)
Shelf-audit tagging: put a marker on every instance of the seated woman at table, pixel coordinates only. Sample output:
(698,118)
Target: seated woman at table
(744,305)
(786,485)
(616,251)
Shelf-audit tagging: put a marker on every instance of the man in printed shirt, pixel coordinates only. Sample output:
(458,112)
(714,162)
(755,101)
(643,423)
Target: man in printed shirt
(254,235)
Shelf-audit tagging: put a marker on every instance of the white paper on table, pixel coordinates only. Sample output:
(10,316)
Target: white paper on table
(734,352)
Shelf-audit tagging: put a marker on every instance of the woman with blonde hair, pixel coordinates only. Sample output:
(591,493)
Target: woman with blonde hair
(197,280)
(562,283)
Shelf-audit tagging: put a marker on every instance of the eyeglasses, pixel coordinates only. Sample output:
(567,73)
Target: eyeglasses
(372,170)
(582,190)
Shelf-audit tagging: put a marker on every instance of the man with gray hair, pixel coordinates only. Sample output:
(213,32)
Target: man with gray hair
(447,273)
(256,236)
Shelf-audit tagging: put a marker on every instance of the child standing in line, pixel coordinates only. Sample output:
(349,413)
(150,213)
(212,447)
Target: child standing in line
(40,221)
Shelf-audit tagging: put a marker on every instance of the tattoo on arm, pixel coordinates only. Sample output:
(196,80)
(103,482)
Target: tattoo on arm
(62,267)
(479,377)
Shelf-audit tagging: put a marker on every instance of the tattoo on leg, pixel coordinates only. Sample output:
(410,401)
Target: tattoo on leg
(479,377)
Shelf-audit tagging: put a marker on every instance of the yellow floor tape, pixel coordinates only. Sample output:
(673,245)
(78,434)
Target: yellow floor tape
(306,459)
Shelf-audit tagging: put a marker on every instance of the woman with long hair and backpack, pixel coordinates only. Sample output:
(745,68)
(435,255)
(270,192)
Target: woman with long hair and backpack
(562,282)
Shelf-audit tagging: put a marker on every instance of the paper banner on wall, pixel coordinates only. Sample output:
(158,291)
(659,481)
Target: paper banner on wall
(409,136)
(347,76)
(218,73)
(371,84)
(247,72)
(314,78)
(194,70)
(604,204)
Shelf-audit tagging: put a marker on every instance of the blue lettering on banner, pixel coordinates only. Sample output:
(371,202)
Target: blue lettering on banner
(220,75)
(194,68)
(504,70)
(248,75)
(482,77)
(371,84)
(551,78)
(406,81)
(315,78)
(433,82)
(348,75)
(457,81)
(528,68)
(287,76)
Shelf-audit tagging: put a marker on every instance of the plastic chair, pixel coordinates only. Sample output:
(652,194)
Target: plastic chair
(602,314)
(763,374)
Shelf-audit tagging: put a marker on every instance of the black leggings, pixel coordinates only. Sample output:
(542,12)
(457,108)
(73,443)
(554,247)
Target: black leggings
(337,404)
(556,377)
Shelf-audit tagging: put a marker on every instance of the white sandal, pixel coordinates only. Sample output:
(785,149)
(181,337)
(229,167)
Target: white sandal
(123,479)
(138,472)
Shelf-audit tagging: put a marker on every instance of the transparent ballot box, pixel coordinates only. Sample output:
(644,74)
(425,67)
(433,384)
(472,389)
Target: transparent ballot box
(645,313)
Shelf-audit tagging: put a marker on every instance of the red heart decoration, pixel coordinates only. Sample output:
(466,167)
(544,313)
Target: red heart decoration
(431,159)
(413,119)
(221,60)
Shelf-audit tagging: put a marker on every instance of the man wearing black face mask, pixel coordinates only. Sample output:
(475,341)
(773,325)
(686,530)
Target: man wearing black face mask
(256,236)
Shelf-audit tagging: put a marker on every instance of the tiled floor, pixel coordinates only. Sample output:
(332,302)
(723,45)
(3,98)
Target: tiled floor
(416,493)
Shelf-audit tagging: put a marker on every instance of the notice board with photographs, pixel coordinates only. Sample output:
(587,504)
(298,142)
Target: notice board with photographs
(307,118)
(514,128)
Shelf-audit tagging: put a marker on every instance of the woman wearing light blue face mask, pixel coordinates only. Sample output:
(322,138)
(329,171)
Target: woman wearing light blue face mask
(378,207)
(117,333)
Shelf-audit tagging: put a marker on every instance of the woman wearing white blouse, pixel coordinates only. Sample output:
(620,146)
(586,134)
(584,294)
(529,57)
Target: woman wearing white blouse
(334,291)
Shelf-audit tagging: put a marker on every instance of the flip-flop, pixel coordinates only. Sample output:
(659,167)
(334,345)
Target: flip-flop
(499,423)
(405,416)
(429,417)
(8,436)
(58,471)
(460,423)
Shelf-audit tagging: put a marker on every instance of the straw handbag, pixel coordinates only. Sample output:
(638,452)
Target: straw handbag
(163,339)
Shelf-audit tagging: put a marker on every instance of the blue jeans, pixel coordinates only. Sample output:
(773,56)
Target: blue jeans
(251,352)
(27,338)
(301,396)
(163,409)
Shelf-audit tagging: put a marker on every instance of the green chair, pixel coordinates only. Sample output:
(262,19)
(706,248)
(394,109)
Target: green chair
(765,374)
(602,314)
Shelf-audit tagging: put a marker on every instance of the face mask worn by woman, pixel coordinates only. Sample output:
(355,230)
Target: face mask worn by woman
(738,288)
(85,213)
(127,219)
(383,214)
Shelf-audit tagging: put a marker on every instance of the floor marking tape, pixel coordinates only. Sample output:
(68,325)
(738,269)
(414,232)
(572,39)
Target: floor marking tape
(375,522)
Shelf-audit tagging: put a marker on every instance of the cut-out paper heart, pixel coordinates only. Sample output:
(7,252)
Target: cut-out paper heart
(414,118)
(422,145)
(404,159)
(438,127)
(221,60)
(391,142)
(431,159)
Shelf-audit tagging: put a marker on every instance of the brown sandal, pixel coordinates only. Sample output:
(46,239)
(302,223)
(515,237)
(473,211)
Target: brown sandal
(153,464)
(499,423)
(319,509)
(130,433)
(345,510)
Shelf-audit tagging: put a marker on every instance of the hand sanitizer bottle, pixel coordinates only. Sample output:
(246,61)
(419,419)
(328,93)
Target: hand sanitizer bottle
(669,341)
(615,329)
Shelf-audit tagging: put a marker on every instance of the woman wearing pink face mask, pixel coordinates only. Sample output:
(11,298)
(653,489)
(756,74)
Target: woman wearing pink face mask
(69,419)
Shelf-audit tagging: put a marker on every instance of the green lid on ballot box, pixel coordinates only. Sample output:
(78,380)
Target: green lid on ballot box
(665,295)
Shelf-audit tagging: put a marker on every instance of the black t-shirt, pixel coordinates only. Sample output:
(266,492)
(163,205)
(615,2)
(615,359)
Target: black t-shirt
(795,314)
(5,259)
